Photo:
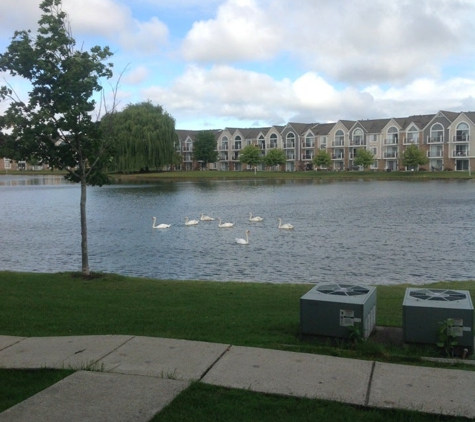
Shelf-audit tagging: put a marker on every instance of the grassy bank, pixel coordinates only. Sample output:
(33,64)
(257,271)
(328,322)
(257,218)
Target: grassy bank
(249,314)
(280,175)
(246,314)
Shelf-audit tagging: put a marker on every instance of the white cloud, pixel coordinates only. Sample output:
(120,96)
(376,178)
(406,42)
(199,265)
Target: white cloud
(241,31)
(148,37)
(357,41)
(136,76)
(226,92)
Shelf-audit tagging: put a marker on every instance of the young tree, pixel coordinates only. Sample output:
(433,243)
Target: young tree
(364,158)
(204,147)
(412,157)
(322,159)
(274,157)
(55,126)
(251,155)
(144,137)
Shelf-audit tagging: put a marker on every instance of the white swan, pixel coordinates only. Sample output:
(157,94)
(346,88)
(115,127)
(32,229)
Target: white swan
(159,226)
(206,218)
(224,225)
(189,222)
(243,241)
(256,218)
(286,226)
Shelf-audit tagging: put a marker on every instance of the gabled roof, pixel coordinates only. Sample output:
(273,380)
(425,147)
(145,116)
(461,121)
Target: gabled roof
(253,133)
(347,123)
(470,115)
(183,134)
(420,121)
(300,128)
(373,126)
(323,129)
(449,115)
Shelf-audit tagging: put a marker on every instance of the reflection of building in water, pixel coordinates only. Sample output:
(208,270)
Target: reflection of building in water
(30,180)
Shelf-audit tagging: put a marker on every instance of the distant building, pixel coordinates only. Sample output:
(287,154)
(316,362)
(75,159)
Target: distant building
(443,137)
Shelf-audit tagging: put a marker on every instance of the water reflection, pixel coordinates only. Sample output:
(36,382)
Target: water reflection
(31,180)
(353,231)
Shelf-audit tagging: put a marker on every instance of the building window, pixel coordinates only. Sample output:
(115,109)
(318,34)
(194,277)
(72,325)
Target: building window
(357,138)
(437,133)
(412,135)
(462,134)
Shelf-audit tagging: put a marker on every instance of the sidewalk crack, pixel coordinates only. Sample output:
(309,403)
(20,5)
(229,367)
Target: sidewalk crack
(370,381)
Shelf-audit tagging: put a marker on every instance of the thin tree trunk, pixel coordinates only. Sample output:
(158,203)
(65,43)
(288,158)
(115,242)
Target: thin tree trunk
(84,253)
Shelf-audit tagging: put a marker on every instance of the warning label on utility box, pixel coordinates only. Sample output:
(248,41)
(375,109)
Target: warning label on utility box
(347,318)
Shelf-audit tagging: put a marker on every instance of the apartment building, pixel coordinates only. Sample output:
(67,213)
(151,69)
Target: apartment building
(443,137)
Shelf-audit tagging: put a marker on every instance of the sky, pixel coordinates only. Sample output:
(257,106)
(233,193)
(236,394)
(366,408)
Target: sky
(213,64)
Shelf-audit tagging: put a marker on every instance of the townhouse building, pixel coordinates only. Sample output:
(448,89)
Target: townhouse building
(444,138)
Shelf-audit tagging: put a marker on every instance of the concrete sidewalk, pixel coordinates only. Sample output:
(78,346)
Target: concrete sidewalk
(133,378)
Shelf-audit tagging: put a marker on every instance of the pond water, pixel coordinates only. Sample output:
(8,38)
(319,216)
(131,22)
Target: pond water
(365,232)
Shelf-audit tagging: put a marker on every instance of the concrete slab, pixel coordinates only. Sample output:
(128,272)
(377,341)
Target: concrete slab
(97,396)
(293,374)
(59,352)
(7,341)
(165,358)
(441,391)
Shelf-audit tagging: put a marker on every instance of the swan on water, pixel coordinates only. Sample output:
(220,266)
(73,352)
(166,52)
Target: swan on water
(256,218)
(206,218)
(224,225)
(189,222)
(286,226)
(159,226)
(243,241)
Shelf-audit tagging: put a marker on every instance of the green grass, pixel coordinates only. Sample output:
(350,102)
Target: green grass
(245,314)
(281,175)
(18,385)
(202,402)
(248,314)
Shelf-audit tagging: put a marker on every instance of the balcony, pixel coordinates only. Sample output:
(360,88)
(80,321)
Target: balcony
(338,143)
(290,156)
(339,156)
(308,144)
(390,154)
(357,142)
(237,146)
(307,157)
(391,141)
(223,157)
(187,147)
(461,138)
(262,145)
(435,154)
(463,153)
(224,146)
(410,141)
(272,145)
(235,156)
(289,145)
(435,140)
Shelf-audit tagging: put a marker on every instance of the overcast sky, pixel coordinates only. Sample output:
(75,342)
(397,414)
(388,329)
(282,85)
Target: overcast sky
(247,63)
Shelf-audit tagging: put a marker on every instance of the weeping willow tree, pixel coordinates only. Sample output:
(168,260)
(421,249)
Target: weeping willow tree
(144,137)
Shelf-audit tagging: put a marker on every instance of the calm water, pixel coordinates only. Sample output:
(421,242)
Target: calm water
(361,231)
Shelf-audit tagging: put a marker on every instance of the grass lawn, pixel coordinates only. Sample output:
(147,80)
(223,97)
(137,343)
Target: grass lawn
(203,402)
(280,175)
(246,314)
